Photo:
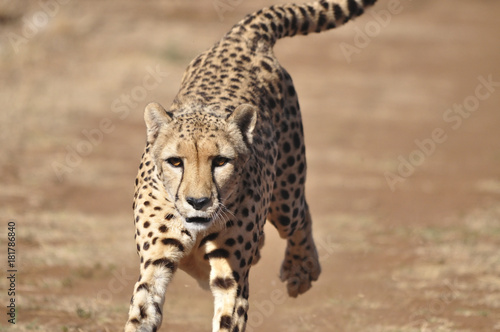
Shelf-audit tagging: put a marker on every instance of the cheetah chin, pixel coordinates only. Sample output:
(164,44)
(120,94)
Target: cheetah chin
(198,224)
(198,220)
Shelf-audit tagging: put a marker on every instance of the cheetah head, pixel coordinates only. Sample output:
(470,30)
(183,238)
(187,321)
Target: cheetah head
(199,158)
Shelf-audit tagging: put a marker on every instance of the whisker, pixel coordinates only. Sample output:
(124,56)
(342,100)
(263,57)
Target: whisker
(222,215)
(225,209)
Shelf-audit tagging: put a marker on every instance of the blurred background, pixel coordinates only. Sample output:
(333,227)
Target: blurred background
(401,116)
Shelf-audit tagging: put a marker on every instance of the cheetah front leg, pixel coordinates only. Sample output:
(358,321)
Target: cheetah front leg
(146,305)
(230,257)
(160,256)
(230,303)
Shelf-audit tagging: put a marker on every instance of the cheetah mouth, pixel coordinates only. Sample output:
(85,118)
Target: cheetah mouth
(198,220)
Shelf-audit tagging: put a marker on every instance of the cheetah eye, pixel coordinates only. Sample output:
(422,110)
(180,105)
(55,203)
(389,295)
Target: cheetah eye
(175,162)
(219,161)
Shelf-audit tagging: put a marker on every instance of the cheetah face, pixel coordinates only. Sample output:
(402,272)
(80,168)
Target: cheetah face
(200,158)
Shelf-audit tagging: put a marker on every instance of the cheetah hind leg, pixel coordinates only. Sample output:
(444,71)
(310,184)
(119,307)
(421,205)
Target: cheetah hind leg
(301,263)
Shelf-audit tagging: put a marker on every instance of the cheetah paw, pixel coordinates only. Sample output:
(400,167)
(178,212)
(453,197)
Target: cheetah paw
(299,272)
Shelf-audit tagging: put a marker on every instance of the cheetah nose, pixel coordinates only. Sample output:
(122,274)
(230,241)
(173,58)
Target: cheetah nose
(198,203)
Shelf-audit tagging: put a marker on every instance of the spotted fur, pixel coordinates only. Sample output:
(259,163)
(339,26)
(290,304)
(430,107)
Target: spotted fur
(226,156)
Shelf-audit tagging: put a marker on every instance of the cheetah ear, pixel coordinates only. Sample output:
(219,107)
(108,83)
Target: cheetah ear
(245,117)
(155,116)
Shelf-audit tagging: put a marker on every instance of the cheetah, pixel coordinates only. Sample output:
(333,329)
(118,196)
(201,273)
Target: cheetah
(225,157)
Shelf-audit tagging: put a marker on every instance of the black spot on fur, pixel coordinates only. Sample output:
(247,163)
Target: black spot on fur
(284,220)
(165,262)
(305,27)
(142,312)
(296,141)
(302,166)
(225,322)
(284,194)
(173,242)
(321,21)
(237,254)
(209,237)
(217,253)
(224,283)
(266,66)
(354,9)
(143,286)
(157,308)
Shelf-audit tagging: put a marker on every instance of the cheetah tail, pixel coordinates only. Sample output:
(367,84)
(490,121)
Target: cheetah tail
(275,22)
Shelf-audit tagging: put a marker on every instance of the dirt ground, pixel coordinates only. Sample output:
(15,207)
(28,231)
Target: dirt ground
(401,115)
